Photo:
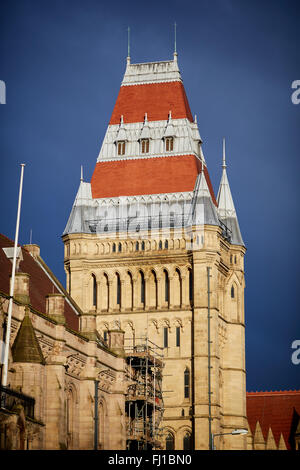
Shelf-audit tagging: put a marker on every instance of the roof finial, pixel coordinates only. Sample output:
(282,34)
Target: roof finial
(224,156)
(81,173)
(30,238)
(195,120)
(128,45)
(175,43)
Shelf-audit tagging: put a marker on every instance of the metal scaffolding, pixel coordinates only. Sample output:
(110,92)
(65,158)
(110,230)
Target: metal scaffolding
(144,399)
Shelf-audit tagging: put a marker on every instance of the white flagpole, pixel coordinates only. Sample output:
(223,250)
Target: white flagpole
(12,285)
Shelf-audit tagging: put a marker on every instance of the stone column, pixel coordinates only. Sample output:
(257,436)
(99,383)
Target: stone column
(171,291)
(159,293)
(135,294)
(184,292)
(110,296)
(123,296)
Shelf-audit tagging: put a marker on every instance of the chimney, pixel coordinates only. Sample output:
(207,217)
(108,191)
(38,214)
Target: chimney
(55,306)
(21,287)
(32,249)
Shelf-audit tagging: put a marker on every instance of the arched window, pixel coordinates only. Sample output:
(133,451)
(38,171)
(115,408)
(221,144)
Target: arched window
(121,147)
(105,336)
(166,286)
(166,244)
(169,144)
(137,247)
(166,337)
(120,246)
(104,297)
(177,286)
(170,442)
(142,287)
(186,383)
(118,290)
(143,245)
(160,245)
(177,336)
(235,260)
(114,248)
(145,145)
(187,441)
(232,292)
(152,300)
(130,297)
(94,290)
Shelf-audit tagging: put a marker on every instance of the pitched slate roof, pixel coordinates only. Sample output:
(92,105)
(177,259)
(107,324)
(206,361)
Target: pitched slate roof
(278,410)
(41,282)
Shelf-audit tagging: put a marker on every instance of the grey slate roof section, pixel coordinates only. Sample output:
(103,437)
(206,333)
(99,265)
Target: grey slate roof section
(203,211)
(88,215)
(235,233)
(83,210)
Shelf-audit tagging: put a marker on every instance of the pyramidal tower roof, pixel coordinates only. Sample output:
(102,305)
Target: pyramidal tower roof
(152,153)
(151,104)
(226,209)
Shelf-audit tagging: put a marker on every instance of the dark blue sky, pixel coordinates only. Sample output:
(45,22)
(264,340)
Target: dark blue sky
(63,61)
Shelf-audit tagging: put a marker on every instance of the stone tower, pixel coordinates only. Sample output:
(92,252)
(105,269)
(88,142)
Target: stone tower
(151,251)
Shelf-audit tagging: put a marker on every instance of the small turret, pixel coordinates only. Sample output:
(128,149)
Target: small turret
(226,209)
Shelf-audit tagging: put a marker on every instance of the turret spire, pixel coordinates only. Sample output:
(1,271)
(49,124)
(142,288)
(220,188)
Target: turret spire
(128,45)
(224,154)
(226,209)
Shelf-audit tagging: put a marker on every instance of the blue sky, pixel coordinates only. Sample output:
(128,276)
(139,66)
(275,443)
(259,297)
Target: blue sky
(63,61)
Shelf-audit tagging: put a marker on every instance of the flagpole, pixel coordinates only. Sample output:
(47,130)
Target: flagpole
(12,284)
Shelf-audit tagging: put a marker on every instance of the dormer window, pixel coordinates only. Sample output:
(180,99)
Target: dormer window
(145,145)
(169,143)
(121,147)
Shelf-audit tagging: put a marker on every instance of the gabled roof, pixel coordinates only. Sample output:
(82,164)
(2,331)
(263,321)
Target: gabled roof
(278,410)
(42,282)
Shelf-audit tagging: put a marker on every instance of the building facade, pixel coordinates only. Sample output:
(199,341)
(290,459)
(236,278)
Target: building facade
(55,366)
(151,251)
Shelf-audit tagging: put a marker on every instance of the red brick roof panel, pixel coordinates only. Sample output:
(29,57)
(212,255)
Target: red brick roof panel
(155,99)
(147,176)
